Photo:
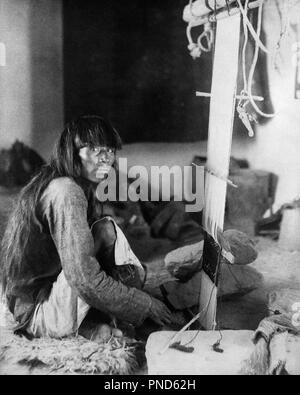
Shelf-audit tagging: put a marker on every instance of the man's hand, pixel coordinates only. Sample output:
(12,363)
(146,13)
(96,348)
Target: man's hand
(159,312)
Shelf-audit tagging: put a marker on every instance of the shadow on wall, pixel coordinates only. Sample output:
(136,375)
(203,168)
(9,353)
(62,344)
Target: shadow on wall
(129,61)
(46,69)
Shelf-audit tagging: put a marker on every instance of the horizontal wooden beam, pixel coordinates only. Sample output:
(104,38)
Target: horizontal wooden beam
(198,14)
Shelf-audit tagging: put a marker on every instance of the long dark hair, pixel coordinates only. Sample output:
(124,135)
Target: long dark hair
(88,130)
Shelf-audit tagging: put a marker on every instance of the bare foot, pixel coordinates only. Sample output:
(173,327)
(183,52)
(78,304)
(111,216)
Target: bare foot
(117,332)
(103,332)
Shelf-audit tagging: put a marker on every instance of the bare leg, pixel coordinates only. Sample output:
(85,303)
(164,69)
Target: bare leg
(105,238)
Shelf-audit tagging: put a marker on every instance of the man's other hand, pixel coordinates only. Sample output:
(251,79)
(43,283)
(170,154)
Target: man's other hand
(159,312)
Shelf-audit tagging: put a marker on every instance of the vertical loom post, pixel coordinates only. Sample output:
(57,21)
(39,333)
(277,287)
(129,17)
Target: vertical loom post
(221,116)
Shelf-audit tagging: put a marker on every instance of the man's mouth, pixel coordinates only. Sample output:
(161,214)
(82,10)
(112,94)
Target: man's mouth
(102,170)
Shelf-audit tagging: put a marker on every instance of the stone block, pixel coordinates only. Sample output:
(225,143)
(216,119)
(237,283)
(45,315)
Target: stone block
(241,247)
(184,261)
(237,346)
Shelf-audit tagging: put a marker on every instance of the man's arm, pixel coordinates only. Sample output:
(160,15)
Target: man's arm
(65,208)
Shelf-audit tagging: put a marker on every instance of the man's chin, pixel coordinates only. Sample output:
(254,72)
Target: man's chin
(101,176)
(98,179)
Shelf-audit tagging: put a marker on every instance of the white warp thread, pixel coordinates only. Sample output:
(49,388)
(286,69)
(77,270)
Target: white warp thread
(221,117)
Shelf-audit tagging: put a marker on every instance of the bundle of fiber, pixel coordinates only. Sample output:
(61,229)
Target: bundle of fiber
(283,300)
(277,347)
(73,355)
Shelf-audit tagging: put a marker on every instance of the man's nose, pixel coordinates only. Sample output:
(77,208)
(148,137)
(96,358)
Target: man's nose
(103,157)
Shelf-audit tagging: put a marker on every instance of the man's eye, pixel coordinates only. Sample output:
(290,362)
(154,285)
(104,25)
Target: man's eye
(111,151)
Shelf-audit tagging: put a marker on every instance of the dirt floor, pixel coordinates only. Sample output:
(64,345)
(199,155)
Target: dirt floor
(280,269)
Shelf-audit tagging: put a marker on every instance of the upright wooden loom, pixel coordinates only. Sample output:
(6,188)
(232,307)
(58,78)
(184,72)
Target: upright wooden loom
(227,15)
(222,107)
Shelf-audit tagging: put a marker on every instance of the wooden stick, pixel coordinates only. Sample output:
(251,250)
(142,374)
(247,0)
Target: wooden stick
(218,176)
(175,337)
(256,98)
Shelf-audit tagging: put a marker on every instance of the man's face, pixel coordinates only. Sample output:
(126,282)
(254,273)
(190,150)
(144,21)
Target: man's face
(96,162)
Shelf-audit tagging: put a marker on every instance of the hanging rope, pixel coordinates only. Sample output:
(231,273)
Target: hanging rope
(244,50)
(196,49)
(205,39)
(244,115)
(254,34)
(253,67)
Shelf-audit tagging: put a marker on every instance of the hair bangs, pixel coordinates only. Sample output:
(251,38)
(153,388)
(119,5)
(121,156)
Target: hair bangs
(94,131)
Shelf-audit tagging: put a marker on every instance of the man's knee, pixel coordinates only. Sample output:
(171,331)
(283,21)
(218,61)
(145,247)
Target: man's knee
(104,232)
